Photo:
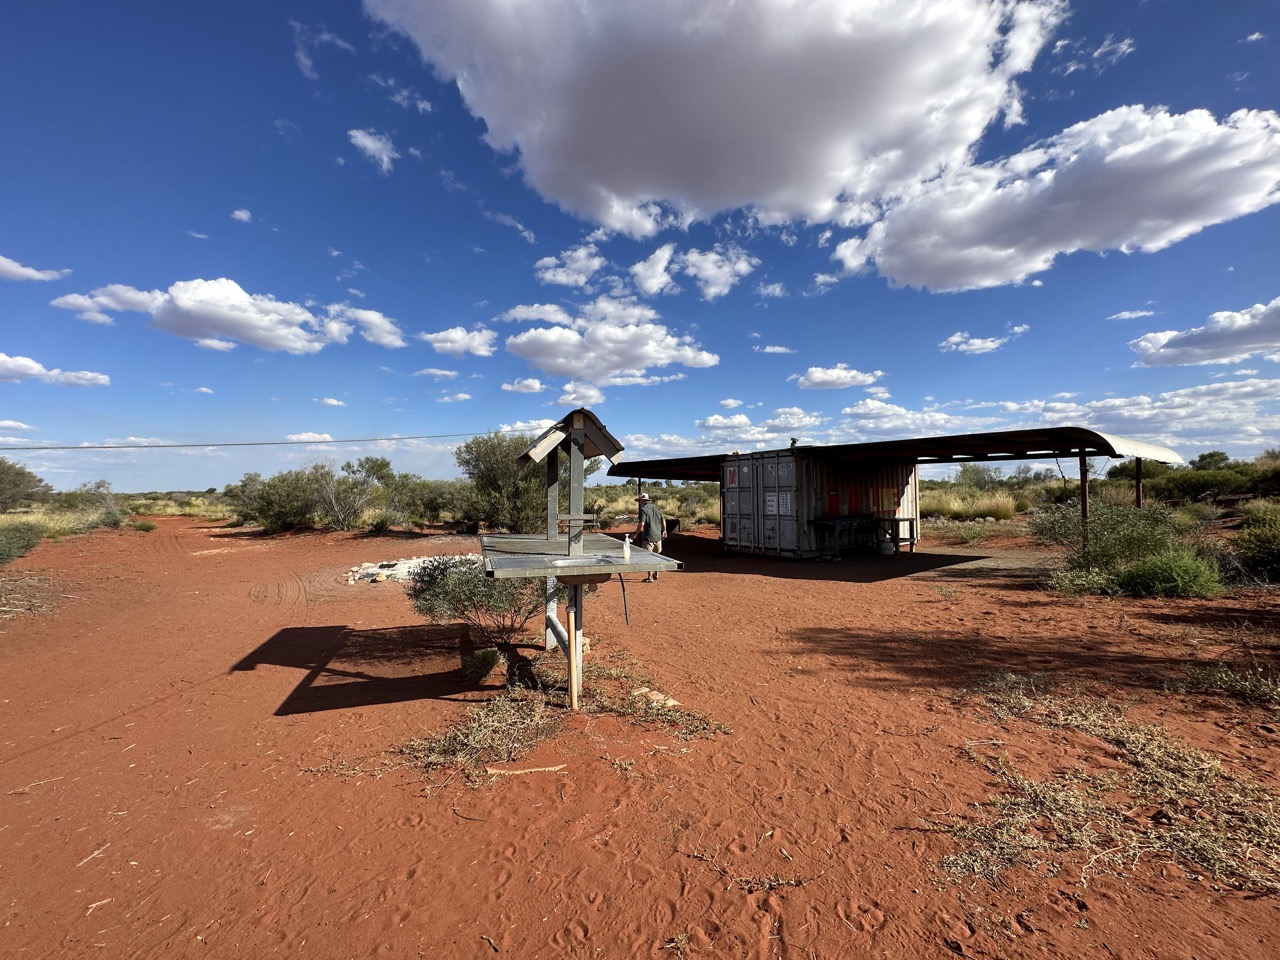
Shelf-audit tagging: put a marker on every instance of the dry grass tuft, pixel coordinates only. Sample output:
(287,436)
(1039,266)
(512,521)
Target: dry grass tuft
(526,713)
(1170,801)
(24,597)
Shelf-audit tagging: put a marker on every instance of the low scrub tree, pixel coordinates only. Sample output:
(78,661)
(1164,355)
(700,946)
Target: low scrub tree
(455,589)
(285,501)
(19,487)
(507,497)
(342,497)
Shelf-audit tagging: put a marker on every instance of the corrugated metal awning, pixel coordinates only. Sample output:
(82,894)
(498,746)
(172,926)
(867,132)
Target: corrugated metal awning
(962,448)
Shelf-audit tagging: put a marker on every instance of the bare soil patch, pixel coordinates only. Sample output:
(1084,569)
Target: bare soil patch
(199,757)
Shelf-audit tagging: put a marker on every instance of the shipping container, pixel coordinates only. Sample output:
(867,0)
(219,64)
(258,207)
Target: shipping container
(796,503)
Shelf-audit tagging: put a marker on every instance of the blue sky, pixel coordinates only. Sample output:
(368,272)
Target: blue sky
(720,225)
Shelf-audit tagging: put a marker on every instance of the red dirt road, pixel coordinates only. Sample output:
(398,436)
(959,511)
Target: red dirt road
(197,760)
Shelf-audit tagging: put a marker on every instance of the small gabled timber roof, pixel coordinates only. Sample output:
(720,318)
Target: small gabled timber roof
(596,440)
(1030,444)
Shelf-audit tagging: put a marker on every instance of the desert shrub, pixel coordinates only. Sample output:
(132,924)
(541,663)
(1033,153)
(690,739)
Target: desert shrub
(146,526)
(453,589)
(1198,484)
(110,518)
(1257,547)
(340,497)
(17,539)
(1260,512)
(285,501)
(1118,535)
(1175,573)
(19,486)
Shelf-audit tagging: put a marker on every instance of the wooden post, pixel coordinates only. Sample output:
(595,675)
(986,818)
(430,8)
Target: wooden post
(1137,482)
(1084,504)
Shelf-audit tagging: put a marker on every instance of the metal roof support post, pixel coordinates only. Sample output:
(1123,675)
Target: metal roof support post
(1084,504)
(1137,482)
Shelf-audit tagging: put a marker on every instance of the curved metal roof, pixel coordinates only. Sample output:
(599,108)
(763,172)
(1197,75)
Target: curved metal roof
(962,448)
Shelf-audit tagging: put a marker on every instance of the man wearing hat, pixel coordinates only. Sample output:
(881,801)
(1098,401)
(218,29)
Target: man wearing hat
(649,528)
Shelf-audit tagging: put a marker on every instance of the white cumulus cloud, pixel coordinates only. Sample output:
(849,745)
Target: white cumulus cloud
(524,385)
(962,342)
(1228,336)
(459,341)
(1131,179)
(717,271)
(834,378)
(377,147)
(573,268)
(651,275)
(17,369)
(13,270)
(218,314)
(623,112)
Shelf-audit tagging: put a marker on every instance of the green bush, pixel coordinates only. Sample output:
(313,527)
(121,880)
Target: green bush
(146,526)
(1255,513)
(110,518)
(17,539)
(1257,547)
(453,589)
(285,501)
(19,486)
(1176,573)
(1118,535)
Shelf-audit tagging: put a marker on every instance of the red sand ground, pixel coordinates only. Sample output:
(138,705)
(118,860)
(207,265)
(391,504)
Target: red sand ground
(197,760)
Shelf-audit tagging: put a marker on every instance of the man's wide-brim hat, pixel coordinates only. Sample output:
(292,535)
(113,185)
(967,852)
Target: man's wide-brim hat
(643,497)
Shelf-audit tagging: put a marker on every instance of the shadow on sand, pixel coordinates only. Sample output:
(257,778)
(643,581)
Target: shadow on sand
(346,667)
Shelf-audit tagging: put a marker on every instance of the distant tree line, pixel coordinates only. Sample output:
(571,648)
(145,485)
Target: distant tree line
(1209,476)
(369,493)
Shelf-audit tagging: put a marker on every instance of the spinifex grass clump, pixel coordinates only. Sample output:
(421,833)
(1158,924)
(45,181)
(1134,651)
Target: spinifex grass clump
(975,505)
(478,664)
(1174,573)
(17,539)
